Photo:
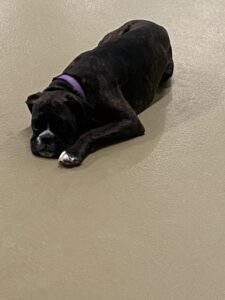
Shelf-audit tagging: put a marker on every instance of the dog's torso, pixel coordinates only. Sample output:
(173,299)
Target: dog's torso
(133,57)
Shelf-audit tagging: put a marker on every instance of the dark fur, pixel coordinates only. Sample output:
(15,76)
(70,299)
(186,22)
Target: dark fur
(119,77)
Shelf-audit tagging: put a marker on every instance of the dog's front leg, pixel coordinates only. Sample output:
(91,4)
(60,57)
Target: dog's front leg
(126,126)
(96,138)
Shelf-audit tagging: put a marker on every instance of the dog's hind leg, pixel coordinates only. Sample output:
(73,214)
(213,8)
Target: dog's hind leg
(170,67)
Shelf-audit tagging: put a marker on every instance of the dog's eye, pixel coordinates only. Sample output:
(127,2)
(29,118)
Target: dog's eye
(36,126)
(35,129)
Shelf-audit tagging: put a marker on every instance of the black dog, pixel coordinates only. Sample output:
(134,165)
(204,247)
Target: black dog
(96,100)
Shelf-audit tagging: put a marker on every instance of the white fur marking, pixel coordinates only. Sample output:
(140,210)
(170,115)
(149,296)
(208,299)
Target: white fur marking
(39,140)
(46,154)
(46,132)
(43,133)
(66,158)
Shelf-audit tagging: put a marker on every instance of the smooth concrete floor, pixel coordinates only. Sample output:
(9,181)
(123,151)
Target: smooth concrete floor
(142,220)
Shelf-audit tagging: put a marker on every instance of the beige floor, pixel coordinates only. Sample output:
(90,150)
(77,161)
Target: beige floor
(143,220)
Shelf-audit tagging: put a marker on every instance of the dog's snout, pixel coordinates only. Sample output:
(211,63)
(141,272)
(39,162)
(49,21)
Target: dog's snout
(46,139)
(46,136)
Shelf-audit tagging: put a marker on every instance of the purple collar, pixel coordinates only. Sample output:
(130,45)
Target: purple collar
(73,82)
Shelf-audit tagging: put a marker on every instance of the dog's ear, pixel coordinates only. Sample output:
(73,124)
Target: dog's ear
(80,108)
(31,99)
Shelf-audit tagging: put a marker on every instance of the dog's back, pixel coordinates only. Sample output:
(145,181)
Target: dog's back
(135,56)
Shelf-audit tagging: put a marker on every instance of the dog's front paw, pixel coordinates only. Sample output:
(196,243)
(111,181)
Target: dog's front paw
(69,160)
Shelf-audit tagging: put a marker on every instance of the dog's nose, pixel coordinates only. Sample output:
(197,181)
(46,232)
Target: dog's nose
(46,137)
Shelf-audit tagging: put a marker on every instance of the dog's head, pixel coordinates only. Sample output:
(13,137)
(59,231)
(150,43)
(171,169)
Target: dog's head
(57,121)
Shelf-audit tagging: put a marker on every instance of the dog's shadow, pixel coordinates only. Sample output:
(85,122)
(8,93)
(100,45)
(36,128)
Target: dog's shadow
(26,133)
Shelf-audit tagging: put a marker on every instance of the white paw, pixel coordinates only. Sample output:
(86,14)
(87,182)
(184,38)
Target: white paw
(68,160)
